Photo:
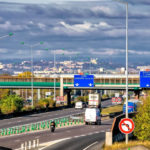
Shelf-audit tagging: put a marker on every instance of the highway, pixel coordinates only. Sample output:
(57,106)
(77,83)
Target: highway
(73,133)
(84,142)
(7,123)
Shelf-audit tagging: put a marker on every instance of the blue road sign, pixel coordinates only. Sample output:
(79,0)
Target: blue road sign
(83,80)
(145,79)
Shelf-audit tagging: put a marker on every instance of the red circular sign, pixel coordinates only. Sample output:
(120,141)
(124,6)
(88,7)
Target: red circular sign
(118,99)
(126,125)
(113,99)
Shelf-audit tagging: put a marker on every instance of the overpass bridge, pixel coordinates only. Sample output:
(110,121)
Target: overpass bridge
(66,82)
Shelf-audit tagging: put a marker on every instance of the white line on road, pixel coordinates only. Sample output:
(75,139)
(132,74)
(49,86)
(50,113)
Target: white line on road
(90,145)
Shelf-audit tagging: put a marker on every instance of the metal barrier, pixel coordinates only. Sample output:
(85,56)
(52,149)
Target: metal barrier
(116,133)
(42,125)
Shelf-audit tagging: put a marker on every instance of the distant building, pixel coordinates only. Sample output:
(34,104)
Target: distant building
(122,70)
(94,61)
(143,68)
(101,69)
(1,66)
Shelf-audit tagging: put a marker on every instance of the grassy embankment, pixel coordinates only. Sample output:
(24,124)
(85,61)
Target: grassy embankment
(112,109)
(122,145)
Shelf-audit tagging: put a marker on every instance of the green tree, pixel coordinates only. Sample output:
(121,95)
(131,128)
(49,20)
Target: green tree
(82,98)
(11,104)
(25,74)
(142,121)
(4,93)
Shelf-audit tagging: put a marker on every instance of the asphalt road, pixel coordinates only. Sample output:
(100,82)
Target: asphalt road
(60,133)
(79,143)
(7,123)
(106,103)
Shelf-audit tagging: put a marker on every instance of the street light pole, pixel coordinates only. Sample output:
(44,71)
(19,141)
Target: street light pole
(32,74)
(126,4)
(70,64)
(54,76)
(126,66)
(32,71)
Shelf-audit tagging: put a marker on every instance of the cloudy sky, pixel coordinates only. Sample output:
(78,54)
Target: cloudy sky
(89,28)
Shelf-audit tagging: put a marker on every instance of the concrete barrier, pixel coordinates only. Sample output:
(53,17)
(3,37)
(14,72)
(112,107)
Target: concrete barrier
(108,138)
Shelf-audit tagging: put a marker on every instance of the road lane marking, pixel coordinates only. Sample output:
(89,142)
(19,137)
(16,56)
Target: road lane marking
(90,145)
(47,144)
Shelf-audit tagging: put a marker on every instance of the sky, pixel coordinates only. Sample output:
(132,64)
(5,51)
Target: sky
(77,27)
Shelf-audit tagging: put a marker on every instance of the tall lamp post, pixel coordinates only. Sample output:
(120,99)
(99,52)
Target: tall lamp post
(31,49)
(54,74)
(10,34)
(126,4)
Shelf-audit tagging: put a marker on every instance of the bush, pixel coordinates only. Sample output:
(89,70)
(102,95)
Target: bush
(28,108)
(142,121)
(43,103)
(82,98)
(11,104)
(104,96)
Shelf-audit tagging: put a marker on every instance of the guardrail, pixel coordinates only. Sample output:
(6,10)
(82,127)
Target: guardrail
(43,125)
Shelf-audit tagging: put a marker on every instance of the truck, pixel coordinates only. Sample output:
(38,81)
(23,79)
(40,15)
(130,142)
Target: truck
(117,94)
(133,104)
(94,100)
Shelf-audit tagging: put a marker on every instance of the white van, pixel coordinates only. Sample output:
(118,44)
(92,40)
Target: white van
(78,105)
(92,115)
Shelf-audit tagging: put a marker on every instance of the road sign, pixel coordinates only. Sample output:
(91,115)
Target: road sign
(116,100)
(145,79)
(126,126)
(59,99)
(83,80)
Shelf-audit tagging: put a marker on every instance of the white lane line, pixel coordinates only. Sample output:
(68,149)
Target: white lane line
(90,145)
(97,132)
(76,136)
(83,135)
(90,133)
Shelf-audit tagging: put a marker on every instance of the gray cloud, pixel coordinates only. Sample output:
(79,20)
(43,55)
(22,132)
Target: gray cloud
(91,27)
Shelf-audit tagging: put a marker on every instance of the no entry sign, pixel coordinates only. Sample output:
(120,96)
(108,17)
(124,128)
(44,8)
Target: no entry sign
(126,126)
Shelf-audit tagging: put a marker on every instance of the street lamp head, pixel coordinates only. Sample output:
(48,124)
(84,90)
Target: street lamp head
(41,42)
(22,43)
(46,49)
(10,34)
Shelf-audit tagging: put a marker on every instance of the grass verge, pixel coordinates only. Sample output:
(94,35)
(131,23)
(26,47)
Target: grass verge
(119,145)
(112,109)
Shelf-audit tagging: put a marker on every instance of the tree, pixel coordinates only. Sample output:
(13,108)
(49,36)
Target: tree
(82,98)
(11,104)
(142,121)
(25,74)
(4,93)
